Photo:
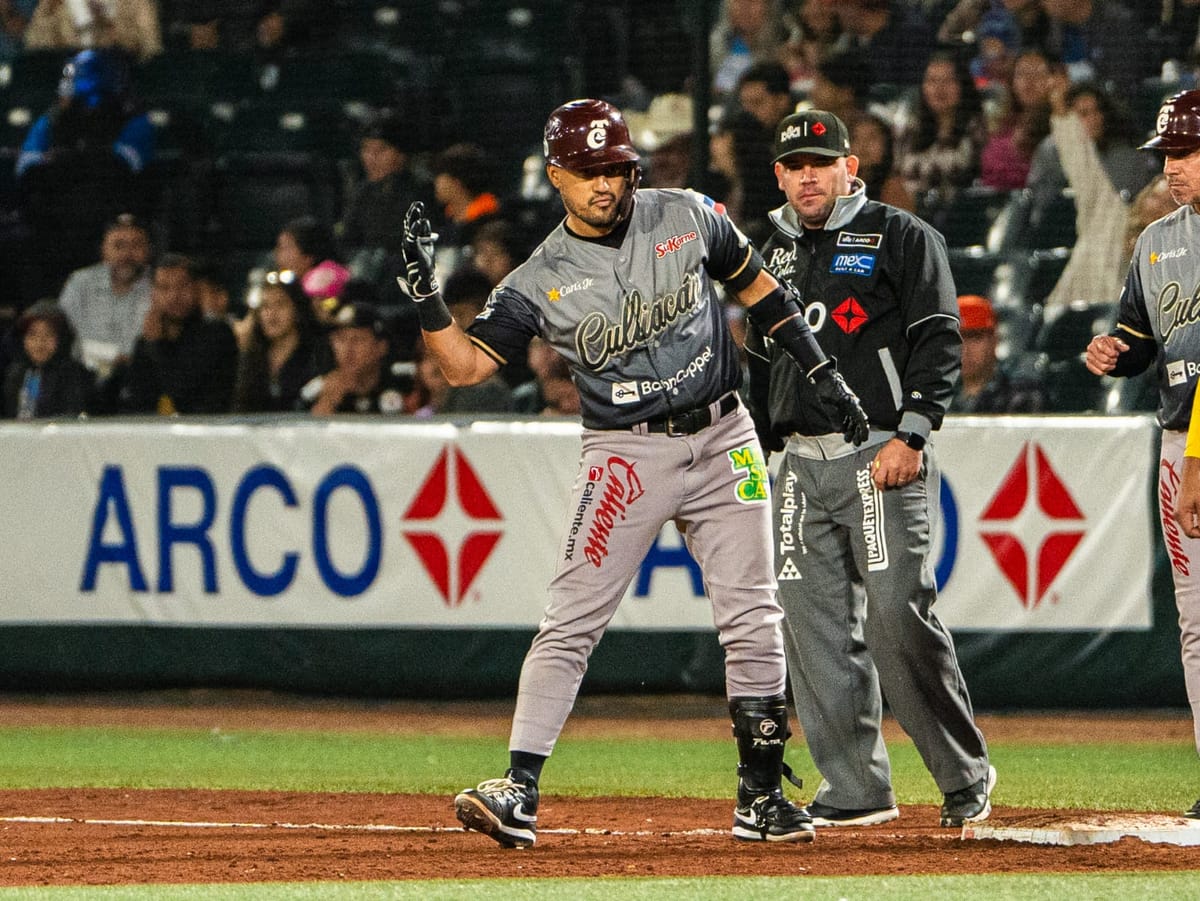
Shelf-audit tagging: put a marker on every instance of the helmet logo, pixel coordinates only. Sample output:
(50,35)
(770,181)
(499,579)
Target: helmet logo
(597,135)
(1164,117)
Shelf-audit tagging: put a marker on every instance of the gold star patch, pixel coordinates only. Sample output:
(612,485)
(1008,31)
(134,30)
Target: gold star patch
(554,295)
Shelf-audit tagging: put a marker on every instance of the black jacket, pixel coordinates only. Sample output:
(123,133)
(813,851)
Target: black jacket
(193,373)
(66,387)
(880,298)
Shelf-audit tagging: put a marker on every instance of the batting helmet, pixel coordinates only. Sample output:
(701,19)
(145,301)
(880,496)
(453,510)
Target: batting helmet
(1177,128)
(586,134)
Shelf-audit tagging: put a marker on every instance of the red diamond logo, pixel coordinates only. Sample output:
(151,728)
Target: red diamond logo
(819,129)
(452,571)
(849,315)
(1031,578)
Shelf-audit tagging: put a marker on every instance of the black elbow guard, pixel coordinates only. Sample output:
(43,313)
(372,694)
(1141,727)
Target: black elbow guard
(779,316)
(751,267)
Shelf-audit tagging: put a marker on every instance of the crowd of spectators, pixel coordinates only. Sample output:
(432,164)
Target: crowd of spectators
(1028,104)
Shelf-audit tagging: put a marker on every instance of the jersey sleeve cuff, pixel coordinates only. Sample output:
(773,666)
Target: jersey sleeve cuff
(491,352)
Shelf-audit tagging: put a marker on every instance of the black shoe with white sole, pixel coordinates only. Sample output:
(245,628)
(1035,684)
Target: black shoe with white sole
(770,817)
(972,804)
(504,809)
(824,815)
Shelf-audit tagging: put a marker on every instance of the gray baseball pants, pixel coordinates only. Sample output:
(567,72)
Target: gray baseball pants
(629,486)
(856,584)
(1185,568)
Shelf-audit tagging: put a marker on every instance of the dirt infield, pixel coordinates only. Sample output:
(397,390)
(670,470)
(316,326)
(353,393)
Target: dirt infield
(121,836)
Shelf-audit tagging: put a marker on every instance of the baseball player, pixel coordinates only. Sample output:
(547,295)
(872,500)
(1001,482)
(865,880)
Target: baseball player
(624,288)
(854,525)
(1157,324)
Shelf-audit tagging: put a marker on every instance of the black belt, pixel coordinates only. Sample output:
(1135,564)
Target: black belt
(689,422)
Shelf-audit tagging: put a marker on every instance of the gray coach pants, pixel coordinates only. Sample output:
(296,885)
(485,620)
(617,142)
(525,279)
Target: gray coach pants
(857,588)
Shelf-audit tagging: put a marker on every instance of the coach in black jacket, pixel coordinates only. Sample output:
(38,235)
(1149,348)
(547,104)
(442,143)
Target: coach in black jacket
(853,524)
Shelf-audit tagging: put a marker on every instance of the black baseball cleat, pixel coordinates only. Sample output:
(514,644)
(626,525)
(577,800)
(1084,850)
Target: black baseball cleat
(972,804)
(1193,812)
(503,809)
(770,817)
(824,815)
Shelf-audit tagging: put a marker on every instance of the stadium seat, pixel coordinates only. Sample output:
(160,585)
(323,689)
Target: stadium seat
(966,220)
(189,76)
(491,106)
(369,78)
(367,25)
(1027,226)
(31,79)
(1147,99)
(1060,344)
(255,193)
(1035,274)
(977,271)
(1067,328)
(1017,327)
(274,126)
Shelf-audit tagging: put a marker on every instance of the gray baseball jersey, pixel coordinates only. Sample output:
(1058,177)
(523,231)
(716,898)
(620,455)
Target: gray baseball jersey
(1160,302)
(640,323)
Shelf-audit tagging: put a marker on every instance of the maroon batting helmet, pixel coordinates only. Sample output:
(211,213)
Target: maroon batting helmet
(1177,128)
(586,134)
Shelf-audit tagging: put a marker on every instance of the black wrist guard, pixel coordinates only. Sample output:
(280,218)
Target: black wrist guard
(779,316)
(433,314)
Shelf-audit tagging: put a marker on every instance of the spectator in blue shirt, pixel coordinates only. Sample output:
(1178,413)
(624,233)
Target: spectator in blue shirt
(95,110)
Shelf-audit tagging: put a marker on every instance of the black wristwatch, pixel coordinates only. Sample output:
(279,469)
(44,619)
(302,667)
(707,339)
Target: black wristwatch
(912,439)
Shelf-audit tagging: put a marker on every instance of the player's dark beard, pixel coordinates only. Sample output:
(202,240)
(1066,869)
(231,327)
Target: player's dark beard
(595,216)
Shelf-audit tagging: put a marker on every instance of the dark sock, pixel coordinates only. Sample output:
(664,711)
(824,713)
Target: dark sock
(528,763)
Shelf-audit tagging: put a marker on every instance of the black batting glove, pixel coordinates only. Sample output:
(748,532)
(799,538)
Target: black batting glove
(843,403)
(418,245)
(419,281)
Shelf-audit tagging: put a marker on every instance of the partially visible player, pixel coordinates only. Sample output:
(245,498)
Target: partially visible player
(625,289)
(1157,324)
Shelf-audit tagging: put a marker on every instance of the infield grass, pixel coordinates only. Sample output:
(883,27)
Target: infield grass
(1150,776)
(1133,776)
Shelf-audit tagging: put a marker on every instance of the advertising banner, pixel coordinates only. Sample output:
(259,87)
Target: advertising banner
(1047,525)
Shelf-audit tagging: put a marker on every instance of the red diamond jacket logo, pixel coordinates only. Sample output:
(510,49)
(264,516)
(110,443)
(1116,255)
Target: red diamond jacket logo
(452,568)
(849,315)
(1032,577)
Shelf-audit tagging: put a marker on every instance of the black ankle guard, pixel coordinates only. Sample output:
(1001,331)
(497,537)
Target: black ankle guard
(760,727)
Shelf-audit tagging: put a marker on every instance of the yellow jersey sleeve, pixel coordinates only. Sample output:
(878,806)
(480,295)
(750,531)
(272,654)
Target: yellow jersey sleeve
(1193,437)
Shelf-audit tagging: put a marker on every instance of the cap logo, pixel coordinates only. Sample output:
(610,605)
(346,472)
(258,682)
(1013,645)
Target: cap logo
(793,131)
(819,129)
(597,135)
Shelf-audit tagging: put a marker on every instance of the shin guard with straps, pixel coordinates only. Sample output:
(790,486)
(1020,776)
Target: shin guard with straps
(760,727)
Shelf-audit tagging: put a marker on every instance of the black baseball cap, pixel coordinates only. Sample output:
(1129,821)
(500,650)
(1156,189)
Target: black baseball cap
(814,131)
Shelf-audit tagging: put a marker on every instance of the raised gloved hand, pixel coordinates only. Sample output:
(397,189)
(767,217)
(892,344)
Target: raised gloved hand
(418,245)
(843,403)
(419,281)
